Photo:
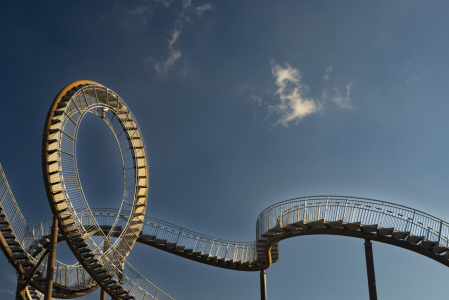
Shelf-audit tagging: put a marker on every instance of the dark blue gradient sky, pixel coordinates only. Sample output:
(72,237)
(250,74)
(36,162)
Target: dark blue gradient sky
(243,104)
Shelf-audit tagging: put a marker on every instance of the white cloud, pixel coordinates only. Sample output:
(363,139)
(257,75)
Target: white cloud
(174,37)
(343,101)
(328,70)
(294,100)
(137,10)
(202,8)
(174,49)
(165,2)
(294,105)
(174,53)
(186,4)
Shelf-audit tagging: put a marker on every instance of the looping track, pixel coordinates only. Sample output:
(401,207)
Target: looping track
(101,239)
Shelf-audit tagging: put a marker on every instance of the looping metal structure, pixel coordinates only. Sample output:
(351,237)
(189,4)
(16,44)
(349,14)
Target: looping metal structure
(63,185)
(101,239)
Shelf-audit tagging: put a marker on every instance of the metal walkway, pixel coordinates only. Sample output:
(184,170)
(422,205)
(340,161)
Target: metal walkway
(363,218)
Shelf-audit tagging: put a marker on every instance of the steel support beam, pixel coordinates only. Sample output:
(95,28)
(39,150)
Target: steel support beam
(370,270)
(21,290)
(263,285)
(102,294)
(51,259)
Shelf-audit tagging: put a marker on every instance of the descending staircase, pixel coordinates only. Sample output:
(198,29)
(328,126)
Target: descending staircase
(24,247)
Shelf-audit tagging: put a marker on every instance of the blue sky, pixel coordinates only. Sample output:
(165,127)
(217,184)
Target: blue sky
(243,104)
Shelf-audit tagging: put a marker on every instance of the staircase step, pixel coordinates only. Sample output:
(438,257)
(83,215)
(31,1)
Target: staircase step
(12,242)
(400,235)
(270,233)
(5,228)
(317,224)
(8,235)
(197,253)
(413,239)
(276,229)
(26,263)
(291,227)
(385,231)
(301,224)
(21,256)
(352,226)
(369,228)
(147,237)
(180,248)
(170,245)
(16,249)
(335,224)
(428,244)
(440,249)
(160,241)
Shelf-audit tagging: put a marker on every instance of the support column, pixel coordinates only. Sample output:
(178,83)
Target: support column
(20,290)
(263,285)
(370,270)
(51,259)
(103,295)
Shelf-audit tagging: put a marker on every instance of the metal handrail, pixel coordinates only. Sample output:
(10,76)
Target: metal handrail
(351,209)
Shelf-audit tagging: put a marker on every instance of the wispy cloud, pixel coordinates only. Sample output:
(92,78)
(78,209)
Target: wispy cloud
(328,71)
(137,10)
(174,49)
(202,8)
(186,4)
(164,2)
(294,101)
(343,100)
(294,105)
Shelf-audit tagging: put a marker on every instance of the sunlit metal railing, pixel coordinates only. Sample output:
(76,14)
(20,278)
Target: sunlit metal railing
(350,210)
(182,237)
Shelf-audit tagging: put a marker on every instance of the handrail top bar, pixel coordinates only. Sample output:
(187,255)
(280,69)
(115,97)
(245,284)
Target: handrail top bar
(348,198)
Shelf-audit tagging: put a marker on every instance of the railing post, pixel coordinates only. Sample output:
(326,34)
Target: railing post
(325,210)
(305,210)
(344,212)
(439,233)
(193,249)
(179,235)
(370,270)
(280,218)
(381,216)
(297,213)
(269,216)
(226,252)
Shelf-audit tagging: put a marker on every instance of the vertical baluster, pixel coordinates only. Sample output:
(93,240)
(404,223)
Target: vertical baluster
(305,210)
(325,210)
(280,217)
(344,212)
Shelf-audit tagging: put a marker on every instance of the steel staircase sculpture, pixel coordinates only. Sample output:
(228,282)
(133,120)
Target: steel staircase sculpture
(101,239)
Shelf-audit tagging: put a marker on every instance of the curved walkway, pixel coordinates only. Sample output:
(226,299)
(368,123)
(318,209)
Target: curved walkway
(370,219)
